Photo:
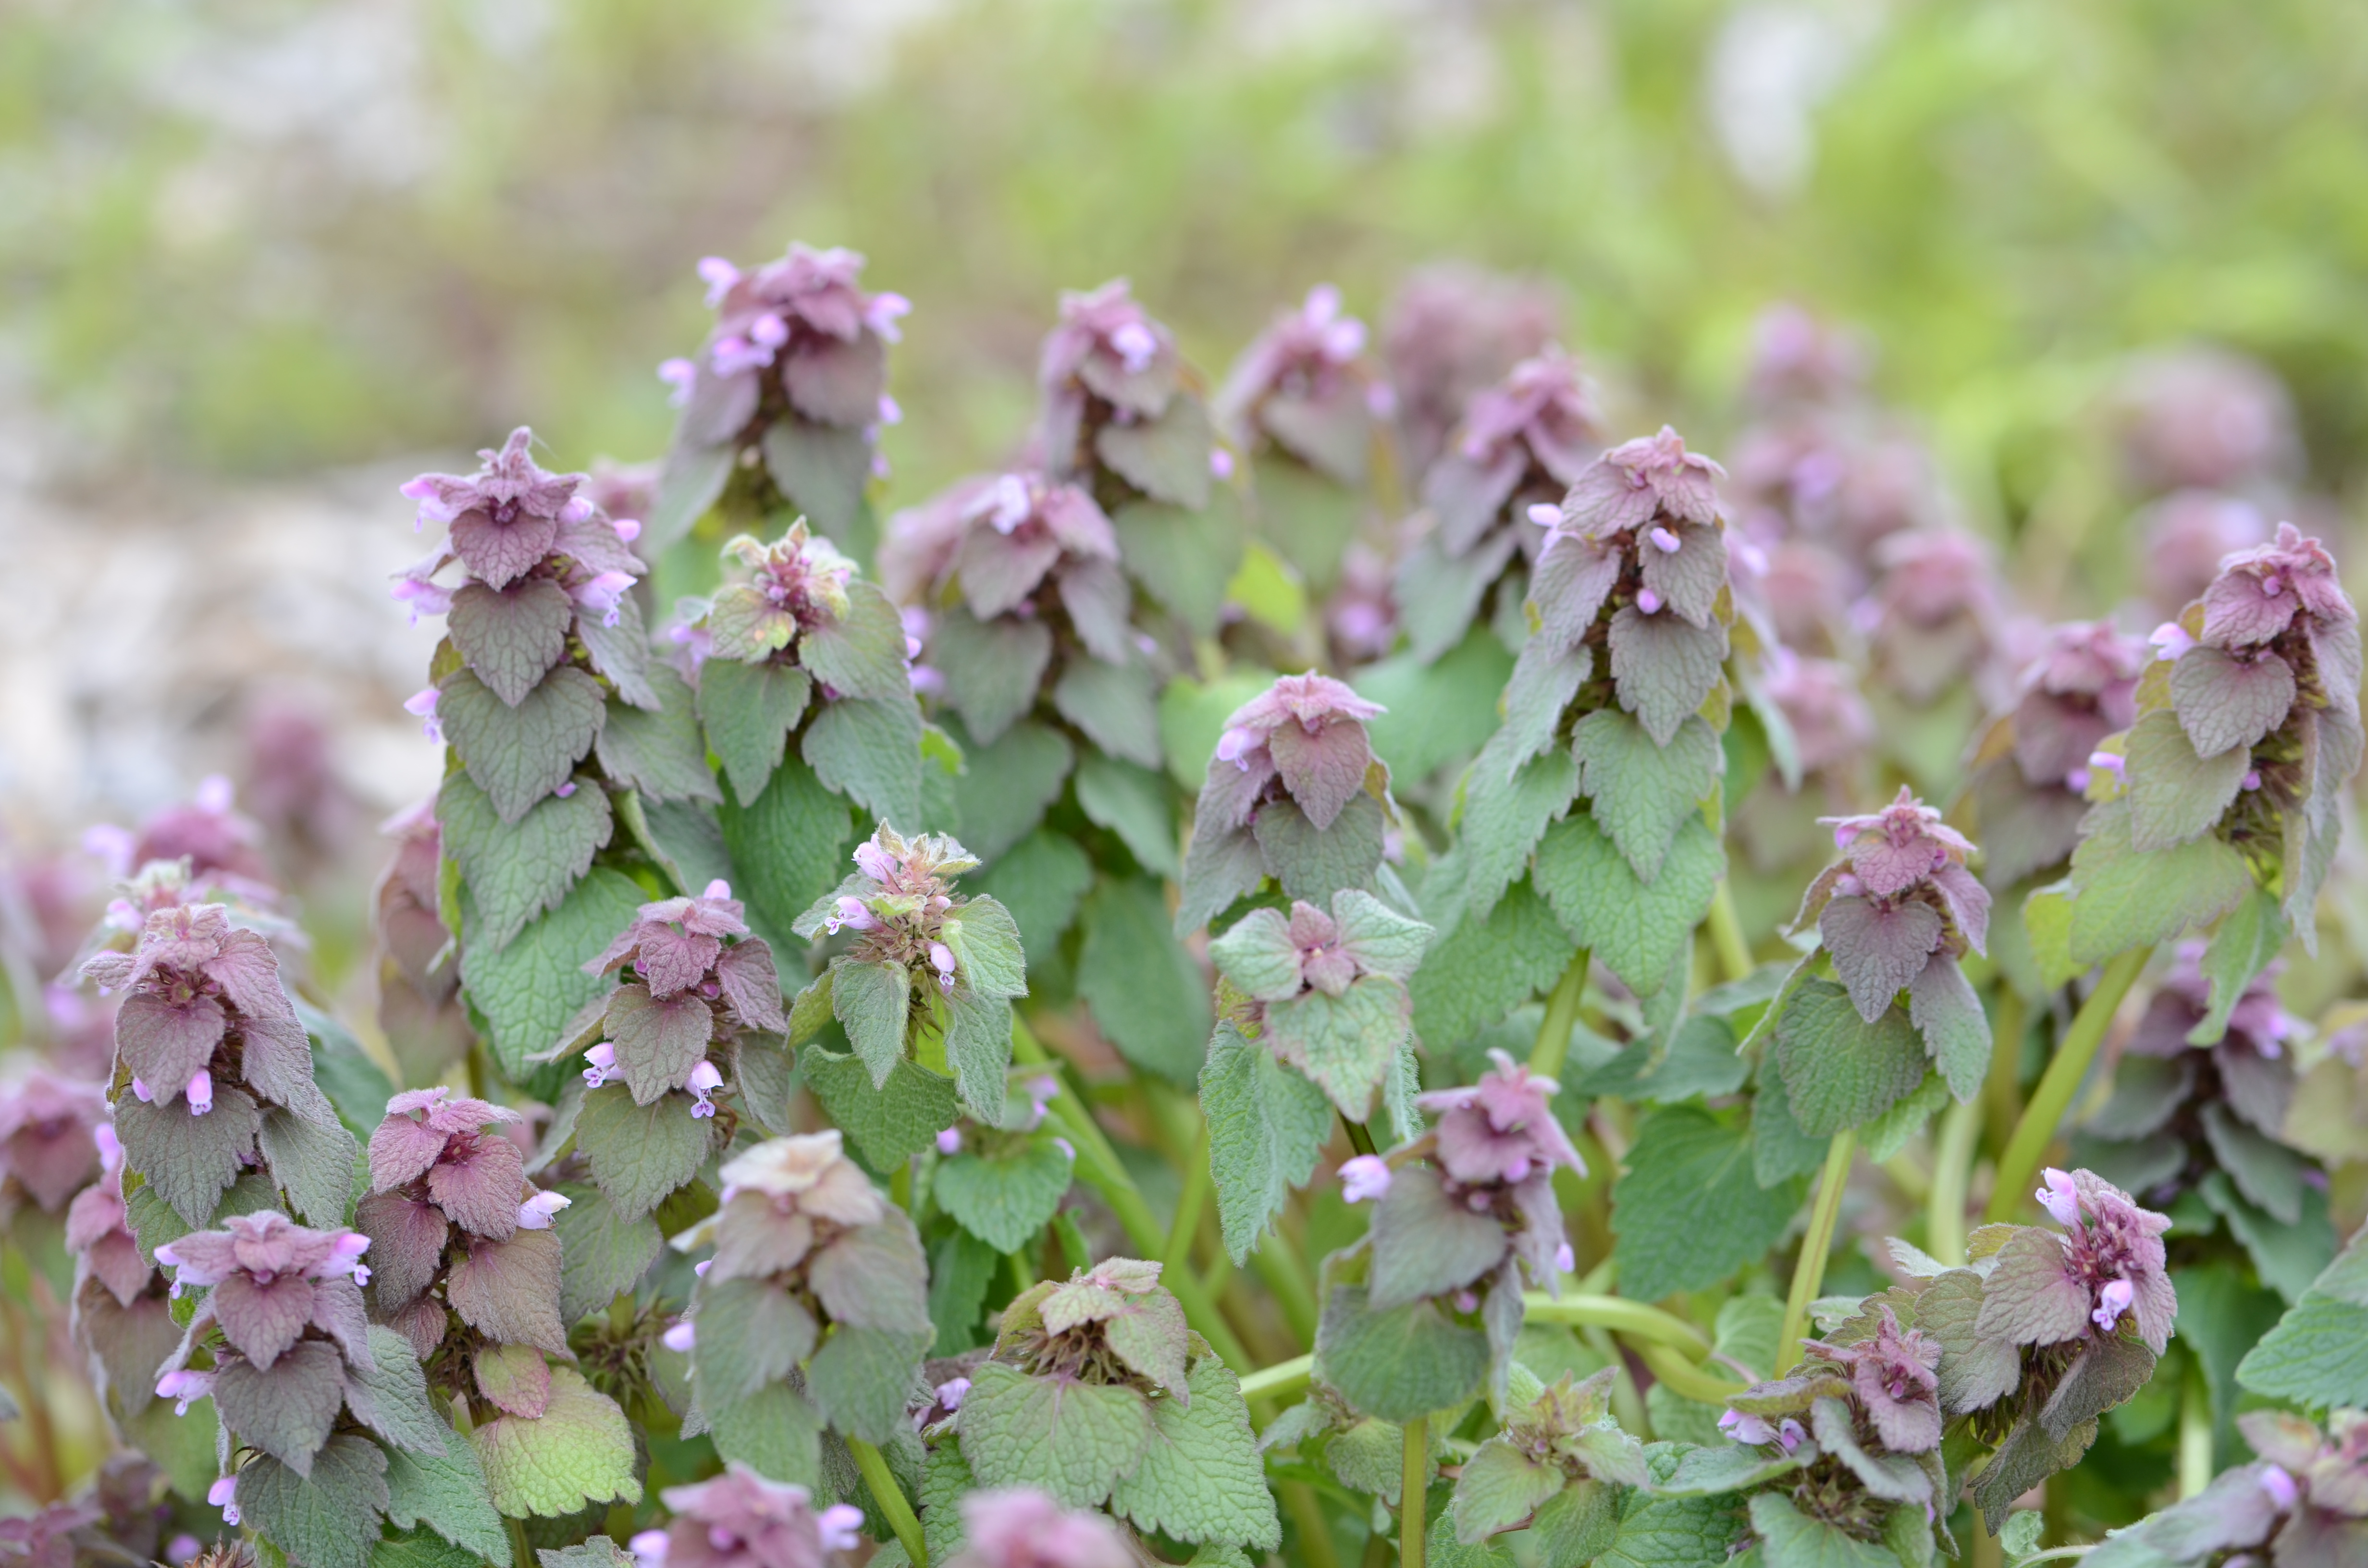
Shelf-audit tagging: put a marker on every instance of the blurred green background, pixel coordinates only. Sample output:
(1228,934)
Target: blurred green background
(259,236)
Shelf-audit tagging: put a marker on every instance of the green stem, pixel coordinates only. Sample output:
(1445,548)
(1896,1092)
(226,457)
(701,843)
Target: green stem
(1279,1268)
(1414,1486)
(1682,1375)
(1562,1014)
(891,1499)
(1810,1271)
(1361,1137)
(1281,1381)
(2194,1432)
(2002,1089)
(1100,1168)
(1195,1197)
(2020,1163)
(1637,1318)
(2055,1554)
(521,1554)
(1727,934)
(1952,1169)
(1307,1512)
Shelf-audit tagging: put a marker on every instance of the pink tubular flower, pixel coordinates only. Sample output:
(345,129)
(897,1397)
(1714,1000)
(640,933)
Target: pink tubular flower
(680,1337)
(679,375)
(601,1066)
(1501,1128)
(2060,1198)
(2280,1485)
(741,1519)
(504,519)
(702,1084)
(223,1495)
(950,1140)
(535,1213)
(1892,849)
(184,1388)
(200,1092)
(2113,1300)
(850,914)
(1028,1530)
(420,597)
(1364,1177)
(421,705)
(2170,640)
(1749,1430)
(601,593)
(2259,592)
(1632,483)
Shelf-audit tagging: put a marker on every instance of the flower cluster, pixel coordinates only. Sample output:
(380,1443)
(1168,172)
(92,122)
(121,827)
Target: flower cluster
(436,1162)
(1899,908)
(795,586)
(1305,385)
(1522,443)
(1466,1207)
(1451,332)
(1556,1460)
(690,997)
(98,1231)
(1115,399)
(740,1519)
(121,1318)
(1294,762)
(49,1128)
(1855,1432)
(546,574)
(796,366)
(2187,534)
(2032,769)
(204,1031)
(207,832)
(2303,1501)
(808,1255)
(1832,726)
(1326,990)
(1798,360)
(419,1004)
(2249,723)
(2202,417)
(288,1302)
(1933,615)
(1025,1529)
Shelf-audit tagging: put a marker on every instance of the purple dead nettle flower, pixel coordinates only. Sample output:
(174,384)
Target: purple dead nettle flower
(2108,1266)
(1108,363)
(49,1134)
(1451,332)
(1305,385)
(1025,1529)
(1798,359)
(1524,444)
(1832,726)
(795,336)
(740,1519)
(1895,1375)
(2032,768)
(2187,533)
(208,831)
(2206,417)
(448,1154)
(791,586)
(1933,614)
(269,1281)
(689,988)
(1899,908)
(99,1229)
(898,903)
(1326,990)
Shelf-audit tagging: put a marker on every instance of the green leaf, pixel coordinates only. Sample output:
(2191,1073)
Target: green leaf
(1148,994)
(1545,680)
(889,1122)
(1132,802)
(1436,711)
(751,1332)
(1478,971)
(1698,1059)
(326,1519)
(638,1153)
(448,1494)
(287,1408)
(862,653)
(1505,814)
(1346,1045)
(2269,1174)
(748,711)
(985,942)
(2129,899)
(1501,1488)
(789,846)
(869,752)
(659,752)
(188,1160)
(992,670)
(511,635)
(1267,1127)
(978,1048)
(2317,1355)
(520,755)
(873,1001)
(774,1433)
(1398,1364)
(1183,559)
(944,1480)
(1041,879)
(395,1389)
(1201,1478)
(1670,1532)
(1664,667)
(530,989)
(1314,864)
(1579,1525)
(960,1268)
(422,1548)
(1722,1467)
(1636,930)
(1071,1440)
(2288,1257)
(2248,939)
(1117,706)
(1006,1199)
(693,478)
(1942,1006)
(2223,702)
(1166,458)
(517,871)
(1887,1134)
(862,1379)
(1690,1212)
(579,1451)
(1639,793)
(316,1164)
(1005,788)
(823,470)
(1789,1539)
(355,1084)
(2176,795)
(1839,1071)
(598,1552)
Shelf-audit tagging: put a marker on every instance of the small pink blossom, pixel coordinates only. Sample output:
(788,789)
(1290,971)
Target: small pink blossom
(702,1084)
(200,1092)
(680,1337)
(679,375)
(421,705)
(535,1213)
(2280,1485)
(223,1495)
(1364,1177)
(2113,1300)
(950,1140)
(602,1064)
(601,593)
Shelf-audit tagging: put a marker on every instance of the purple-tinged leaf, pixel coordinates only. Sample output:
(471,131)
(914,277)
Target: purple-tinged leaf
(512,636)
(671,960)
(1096,595)
(478,1183)
(999,570)
(1878,951)
(658,1042)
(1574,578)
(1166,458)
(2030,1298)
(406,1244)
(2176,795)
(1688,579)
(1968,901)
(839,383)
(874,1277)
(513,1377)
(401,1150)
(1323,770)
(509,1291)
(287,1409)
(746,976)
(2224,701)
(262,1321)
(164,1044)
(1663,667)
(499,552)
(1427,1244)
(337,1312)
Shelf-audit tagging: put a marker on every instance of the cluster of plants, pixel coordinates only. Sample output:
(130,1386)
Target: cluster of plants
(1338,967)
